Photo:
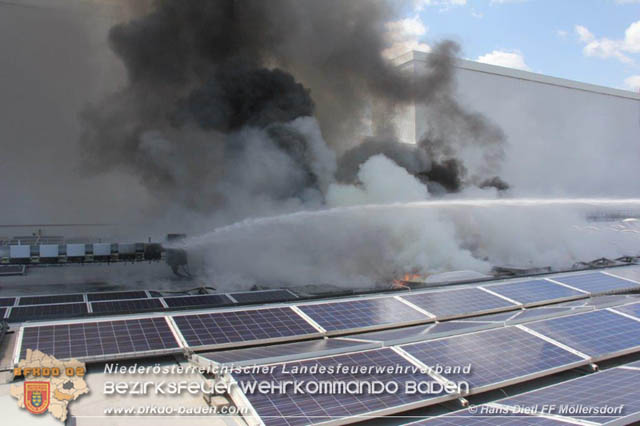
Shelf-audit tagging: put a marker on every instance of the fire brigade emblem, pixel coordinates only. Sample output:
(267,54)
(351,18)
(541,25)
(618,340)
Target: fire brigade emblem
(36,396)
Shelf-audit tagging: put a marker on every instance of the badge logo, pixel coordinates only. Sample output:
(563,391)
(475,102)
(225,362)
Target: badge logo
(36,396)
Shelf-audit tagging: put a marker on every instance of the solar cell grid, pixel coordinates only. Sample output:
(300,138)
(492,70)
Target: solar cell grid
(496,356)
(535,291)
(463,302)
(596,333)
(96,339)
(198,300)
(308,408)
(263,296)
(45,312)
(126,306)
(360,314)
(612,388)
(7,301)
(47,300)
(242,326)
(119,295)
(596,282)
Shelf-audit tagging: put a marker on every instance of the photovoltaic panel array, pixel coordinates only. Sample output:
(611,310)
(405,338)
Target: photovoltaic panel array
(455,303)
(118,295)
(535,291)
(132,337)
(362,314)
(47,300)
(597,282)
(126,306)
(315,407)
(285,352)
(496,356)
(7,301)
(422,332)
(599,334)
(265,296)
(202,300)
(47,312)
(250,326)
(614,387)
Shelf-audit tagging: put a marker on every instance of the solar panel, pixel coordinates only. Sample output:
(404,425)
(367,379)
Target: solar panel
(597,282)
(473,417)
(3,311)
(47,312)
(611,300)
(633,364)
(116,295)
(199,300)
(362,314)
(633,309)
(500,317)
(497,357)
(264,296)
(611,388)
(598,334)
(535,291)
(238,327)
(7,301)
(286,352)
(456,303)
(126,306)
(291,408)
(541,313)
(103,339)
(423,332)
(47,300)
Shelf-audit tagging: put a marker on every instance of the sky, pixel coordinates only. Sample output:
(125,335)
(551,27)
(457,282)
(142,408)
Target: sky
(593,41)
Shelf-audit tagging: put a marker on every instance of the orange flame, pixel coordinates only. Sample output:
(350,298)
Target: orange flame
(401,283)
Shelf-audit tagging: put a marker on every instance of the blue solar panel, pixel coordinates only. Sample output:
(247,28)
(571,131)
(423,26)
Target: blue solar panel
(611,388)
(540,313)
(116,295)
(597,333)
(222,328)
(464,302)
(597,282)
(633,309)
(48,300)
(47,312)
(286,351)
(100,339)
(362,314)
(198,300)
(126,306)
(495,356)
(536,291)
(314,407)
(7,301)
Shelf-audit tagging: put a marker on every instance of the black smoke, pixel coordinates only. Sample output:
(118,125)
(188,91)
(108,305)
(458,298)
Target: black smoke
(220,94)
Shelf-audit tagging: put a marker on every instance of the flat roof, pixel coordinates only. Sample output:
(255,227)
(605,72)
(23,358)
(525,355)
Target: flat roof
(521,75)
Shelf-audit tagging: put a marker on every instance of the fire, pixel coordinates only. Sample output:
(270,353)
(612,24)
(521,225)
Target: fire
(408,277)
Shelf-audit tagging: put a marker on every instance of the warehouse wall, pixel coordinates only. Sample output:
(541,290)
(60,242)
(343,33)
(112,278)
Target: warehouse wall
(564,137)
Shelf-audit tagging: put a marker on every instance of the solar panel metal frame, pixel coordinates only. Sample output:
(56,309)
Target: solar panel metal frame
(107,357)
(318,333)
(576,420)
(427,318)
(547,315)
(359,346)
(241,400)
(519,379)
(513,307)
(595,357)
(496,289)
